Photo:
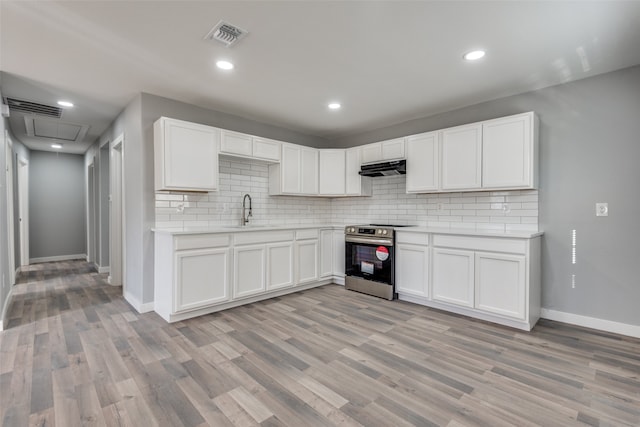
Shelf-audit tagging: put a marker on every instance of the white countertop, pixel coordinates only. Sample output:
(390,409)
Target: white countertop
(240,229)
(465,232)
(417,229)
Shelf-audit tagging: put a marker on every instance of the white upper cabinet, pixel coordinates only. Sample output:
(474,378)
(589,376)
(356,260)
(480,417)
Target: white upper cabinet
(333,172)
(297,172)
(356,184)
(509,152)
(186,156)
(243,145)
(392,149)
(423,163)
(462,157)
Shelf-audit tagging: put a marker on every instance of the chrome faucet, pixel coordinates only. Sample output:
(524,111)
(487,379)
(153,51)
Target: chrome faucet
(245,218)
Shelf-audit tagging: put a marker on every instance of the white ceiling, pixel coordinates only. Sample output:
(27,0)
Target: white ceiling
(386,62)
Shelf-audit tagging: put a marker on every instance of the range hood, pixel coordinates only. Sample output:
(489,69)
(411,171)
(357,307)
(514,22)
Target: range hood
(397,167)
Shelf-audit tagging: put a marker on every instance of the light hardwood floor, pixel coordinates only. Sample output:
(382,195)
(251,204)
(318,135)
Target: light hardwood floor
(76,353)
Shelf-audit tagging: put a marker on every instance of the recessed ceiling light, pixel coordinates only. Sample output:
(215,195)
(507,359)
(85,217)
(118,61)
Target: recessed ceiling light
(474,55)
(224,65)
(56,146)
(65,104)
(334,106)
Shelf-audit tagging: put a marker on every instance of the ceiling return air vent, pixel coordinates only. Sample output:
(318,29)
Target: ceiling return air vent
(22,106)
(226,33)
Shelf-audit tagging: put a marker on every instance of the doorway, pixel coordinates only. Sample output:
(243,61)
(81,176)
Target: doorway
(102,208)
(23,210)
(117,225)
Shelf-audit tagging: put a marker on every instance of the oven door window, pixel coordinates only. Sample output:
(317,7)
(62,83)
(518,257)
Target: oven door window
(372,262)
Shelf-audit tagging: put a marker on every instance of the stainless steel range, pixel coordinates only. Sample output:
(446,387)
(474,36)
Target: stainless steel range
(370,259)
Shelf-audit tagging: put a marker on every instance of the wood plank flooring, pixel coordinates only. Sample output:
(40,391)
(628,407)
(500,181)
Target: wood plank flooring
(76,353)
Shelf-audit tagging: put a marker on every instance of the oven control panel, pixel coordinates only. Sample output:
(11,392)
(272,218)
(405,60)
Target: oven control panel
(364,230)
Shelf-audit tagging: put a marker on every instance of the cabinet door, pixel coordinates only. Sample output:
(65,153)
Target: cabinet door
(309,171)
(507,152)
(326,253)
(462,157)
(412,270)
(188,156)
(423,163)
(500,284)
(279,265)
(453,276)
(371,152)
(202,278)
(338,253)
(249,270)
(291,167)
(266,149)
(307,260)
(393,149)
(353,185)
(332,172)
(235,143)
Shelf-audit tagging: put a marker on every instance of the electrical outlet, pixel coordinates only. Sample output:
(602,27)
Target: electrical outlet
(602,209)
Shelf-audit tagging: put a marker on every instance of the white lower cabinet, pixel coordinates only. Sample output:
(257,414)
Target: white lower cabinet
(500,283)
(279,265)
(412,269)
(249,270)
(307,261)
(491,278)
(338,253)
(203,277)
(453,277)
(326,253)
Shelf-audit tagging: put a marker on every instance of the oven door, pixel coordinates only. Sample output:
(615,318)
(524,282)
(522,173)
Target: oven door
(371,259)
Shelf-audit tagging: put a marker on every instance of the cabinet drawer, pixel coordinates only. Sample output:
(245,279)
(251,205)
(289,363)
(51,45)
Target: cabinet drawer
(255,237)
(200,241)
(492,244)
(307,234)
(412,238)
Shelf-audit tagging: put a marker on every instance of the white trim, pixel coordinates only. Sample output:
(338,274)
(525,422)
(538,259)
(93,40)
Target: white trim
(592,322)
(102,270)
(135,303)
(5,310)
(57,258)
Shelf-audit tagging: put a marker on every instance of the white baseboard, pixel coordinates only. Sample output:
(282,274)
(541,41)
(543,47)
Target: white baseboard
(56,258)
(135,303)
(5,310)
(591,322)
(103,269)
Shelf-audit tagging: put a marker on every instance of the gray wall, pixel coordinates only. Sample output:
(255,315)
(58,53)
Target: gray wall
(589,152)
(56,205)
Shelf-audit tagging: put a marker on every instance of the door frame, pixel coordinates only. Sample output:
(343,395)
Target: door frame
(91,212)
(10,219)
(117,226)
(23,210)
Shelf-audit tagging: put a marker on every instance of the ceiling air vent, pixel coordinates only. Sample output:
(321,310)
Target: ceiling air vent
(226,33)
(19,105)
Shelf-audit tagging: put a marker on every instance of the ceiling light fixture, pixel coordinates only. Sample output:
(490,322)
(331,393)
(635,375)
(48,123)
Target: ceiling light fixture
(334,106)
(474,55)
(224,65)
(56,146)
(65,104)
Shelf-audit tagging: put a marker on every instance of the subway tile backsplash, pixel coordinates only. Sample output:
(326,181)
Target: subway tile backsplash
(486,210)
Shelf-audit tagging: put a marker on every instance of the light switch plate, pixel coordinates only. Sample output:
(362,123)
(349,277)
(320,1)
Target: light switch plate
(602,209)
